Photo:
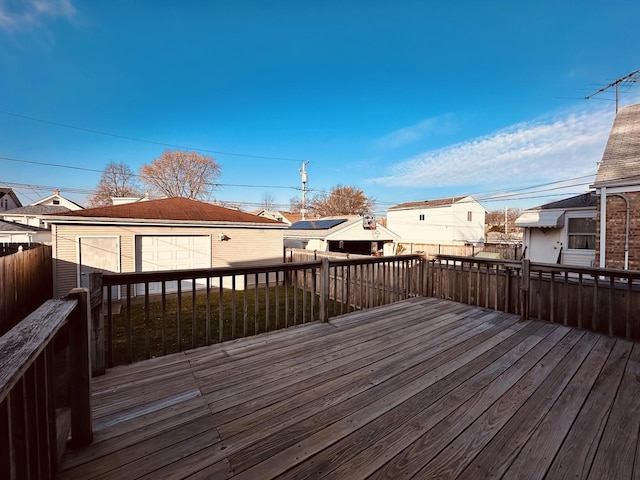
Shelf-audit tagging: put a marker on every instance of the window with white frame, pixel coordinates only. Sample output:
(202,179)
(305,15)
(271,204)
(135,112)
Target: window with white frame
(469,216)
(581,233)
(421,217)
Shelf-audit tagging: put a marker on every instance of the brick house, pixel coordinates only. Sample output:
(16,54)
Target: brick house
(617,185)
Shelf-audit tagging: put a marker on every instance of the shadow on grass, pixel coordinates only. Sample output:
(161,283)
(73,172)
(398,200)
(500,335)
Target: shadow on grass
(194,320)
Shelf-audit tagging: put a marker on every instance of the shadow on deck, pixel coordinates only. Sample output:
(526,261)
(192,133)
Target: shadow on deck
(422,388)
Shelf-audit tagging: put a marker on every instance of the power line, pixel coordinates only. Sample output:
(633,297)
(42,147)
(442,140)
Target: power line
(150,142)
(50,164)
(33,162)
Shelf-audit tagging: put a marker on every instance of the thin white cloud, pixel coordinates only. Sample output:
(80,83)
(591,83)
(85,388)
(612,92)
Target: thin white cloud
(413,133)
(26,14)
(565,146)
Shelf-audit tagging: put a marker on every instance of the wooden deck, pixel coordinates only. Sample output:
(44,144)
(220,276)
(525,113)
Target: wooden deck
(423,388)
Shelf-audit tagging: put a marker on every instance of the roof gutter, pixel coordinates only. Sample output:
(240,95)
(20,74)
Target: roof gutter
(62,220)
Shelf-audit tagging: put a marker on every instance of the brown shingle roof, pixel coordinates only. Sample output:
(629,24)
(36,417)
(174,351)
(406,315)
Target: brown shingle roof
(427,203)
(176,208)
(621,158)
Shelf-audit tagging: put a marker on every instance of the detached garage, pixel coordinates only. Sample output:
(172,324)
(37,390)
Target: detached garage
(158,235)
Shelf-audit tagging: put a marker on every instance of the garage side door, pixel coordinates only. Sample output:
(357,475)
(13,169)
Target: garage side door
(156,253)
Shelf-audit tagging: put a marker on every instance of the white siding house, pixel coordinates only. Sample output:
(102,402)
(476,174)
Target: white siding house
(8,200)
(34,213)
(447,221)
(561,232)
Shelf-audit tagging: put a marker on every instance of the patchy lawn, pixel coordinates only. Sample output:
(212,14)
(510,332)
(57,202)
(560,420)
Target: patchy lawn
(174,327)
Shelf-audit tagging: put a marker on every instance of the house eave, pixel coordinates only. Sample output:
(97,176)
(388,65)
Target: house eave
(75,220)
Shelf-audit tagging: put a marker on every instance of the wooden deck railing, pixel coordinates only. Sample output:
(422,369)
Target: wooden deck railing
(602,300)
(33,431)
(193,308)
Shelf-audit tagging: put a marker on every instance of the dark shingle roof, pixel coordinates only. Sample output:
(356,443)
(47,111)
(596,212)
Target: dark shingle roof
(621,158)
(182,209)
(427,203)
(37,210)
(18,227)
(589,199)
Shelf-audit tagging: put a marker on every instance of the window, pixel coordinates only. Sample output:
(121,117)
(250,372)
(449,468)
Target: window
(469,216)
(421,217)
(581,233)
(56,202)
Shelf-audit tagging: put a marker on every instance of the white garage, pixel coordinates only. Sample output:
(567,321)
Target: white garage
(164,235)
(171,252)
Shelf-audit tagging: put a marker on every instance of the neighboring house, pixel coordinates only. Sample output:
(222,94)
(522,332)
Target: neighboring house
(8,199)
(288,218)
(155,235)
(34,213)
(11,232)
(561,232)
(617,185)
(356,235)
(447,221)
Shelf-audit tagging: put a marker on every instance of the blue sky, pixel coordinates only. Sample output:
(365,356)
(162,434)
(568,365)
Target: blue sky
(407,100)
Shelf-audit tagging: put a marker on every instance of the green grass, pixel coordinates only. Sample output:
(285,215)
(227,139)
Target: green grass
(150,339)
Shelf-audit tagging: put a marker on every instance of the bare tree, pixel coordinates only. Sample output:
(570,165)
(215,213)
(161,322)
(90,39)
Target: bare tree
(342,200)
(495,220)
(117,180)
(295,204)
(181,174)
(268,201)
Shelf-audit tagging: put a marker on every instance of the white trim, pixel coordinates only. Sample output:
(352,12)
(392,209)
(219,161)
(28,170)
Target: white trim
(603,226)
(578,214)
(623,189)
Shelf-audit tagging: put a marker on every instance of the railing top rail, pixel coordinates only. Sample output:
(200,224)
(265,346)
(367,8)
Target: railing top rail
(372,260)
(141,277)
(602,272)
(21,345)
(548,267)
(480,260)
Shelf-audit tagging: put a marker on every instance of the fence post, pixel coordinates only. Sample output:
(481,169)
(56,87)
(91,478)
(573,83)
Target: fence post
(524,288)
(97,324)
(80,384)
(324,290)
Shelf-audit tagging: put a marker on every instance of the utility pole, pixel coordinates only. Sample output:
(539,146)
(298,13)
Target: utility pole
(506,219)
(633,77)
(303,174)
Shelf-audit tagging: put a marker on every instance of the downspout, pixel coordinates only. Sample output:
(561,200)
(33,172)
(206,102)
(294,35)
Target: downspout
(626,230)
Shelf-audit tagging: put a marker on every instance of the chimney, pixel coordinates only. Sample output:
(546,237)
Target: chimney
(56,191)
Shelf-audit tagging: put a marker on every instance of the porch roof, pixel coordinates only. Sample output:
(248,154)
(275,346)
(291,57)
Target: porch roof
(541,219)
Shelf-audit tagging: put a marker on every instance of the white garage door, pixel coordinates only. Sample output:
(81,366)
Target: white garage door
(180,252)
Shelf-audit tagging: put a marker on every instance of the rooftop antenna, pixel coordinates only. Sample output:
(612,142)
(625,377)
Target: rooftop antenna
(633,77)
(305,177)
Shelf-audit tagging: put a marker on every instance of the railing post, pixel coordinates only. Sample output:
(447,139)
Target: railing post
(324,290)
(80,384)
(97,324)
(524,288)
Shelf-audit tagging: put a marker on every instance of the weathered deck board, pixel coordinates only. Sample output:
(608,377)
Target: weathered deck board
(422,388)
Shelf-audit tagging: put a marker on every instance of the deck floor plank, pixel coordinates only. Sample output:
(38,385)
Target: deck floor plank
(421,388)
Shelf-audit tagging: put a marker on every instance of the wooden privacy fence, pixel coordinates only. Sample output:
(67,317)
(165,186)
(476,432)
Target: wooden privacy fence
(602,300)
(156,313)
(26,280)
(33,430)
